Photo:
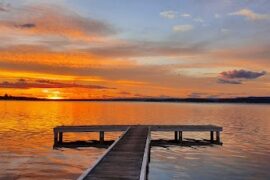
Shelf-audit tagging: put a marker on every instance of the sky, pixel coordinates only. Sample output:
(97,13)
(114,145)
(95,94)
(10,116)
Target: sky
(124,48)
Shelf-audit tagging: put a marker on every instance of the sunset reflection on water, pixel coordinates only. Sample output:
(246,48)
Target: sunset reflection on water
(26,149)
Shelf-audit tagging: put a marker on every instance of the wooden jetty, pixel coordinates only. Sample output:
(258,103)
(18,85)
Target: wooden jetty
(129,155)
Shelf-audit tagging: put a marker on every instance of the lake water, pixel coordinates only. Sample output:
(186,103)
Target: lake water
(26,147)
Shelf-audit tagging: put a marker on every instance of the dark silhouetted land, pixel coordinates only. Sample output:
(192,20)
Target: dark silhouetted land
(265,100)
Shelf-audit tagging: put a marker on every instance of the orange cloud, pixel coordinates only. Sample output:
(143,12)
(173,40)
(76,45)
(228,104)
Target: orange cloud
(55,21)
(41,83)
(250,15)
(62,47)
(41,55)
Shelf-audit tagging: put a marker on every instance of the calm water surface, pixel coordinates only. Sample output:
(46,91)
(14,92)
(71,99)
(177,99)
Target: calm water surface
(26,139)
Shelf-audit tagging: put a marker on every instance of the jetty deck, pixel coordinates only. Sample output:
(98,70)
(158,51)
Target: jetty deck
(124,159)
(128,157)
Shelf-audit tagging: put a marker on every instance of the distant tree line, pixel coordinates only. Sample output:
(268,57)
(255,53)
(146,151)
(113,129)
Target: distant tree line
(152,99)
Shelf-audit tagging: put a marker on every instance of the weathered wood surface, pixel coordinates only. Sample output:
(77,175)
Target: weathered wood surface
(178,129)
(111,128)
(93,128)
(126,159)
(185,128)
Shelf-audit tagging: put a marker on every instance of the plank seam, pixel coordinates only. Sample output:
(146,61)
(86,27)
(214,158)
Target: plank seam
(87,171)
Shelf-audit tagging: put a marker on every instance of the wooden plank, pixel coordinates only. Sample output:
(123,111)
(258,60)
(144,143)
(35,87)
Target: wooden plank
(185,128)
(126,159)
(84,174)
(112,128)
(106,128)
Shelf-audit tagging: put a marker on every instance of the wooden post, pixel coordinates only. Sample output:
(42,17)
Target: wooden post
(180,136)
(101,136)
(55,133)
(60,137)
(218,136)
(211,136)
(175,136)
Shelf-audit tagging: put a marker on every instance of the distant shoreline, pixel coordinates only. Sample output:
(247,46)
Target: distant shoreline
(251,100)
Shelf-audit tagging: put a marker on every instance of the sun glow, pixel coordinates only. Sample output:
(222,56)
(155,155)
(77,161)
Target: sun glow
(54,97)
(52,94)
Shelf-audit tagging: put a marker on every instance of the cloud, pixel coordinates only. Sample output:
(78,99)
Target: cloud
(238,76)
(182,28)
(198,20)
(250,15)
(131,76)
(229,81)
(217,16)
(173,14)
(185,15)
(117,72)
(257,54)
(28,25)
(225,31)
(147,49)
(169,14)
(4,7)
(23,84)
(241,74)
(55,21)
(196,95)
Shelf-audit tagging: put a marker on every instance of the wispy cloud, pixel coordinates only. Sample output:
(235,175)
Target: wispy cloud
(55,21)
(198,19)
(244,74)
(169,14)
(27,25)
(238,76)
(147,49)
(217,16)
(225,31)
(59,42)
(185,15)
(250,15)
(4,7)
(197,95)
(182,27)
(24,84)
(229,81)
